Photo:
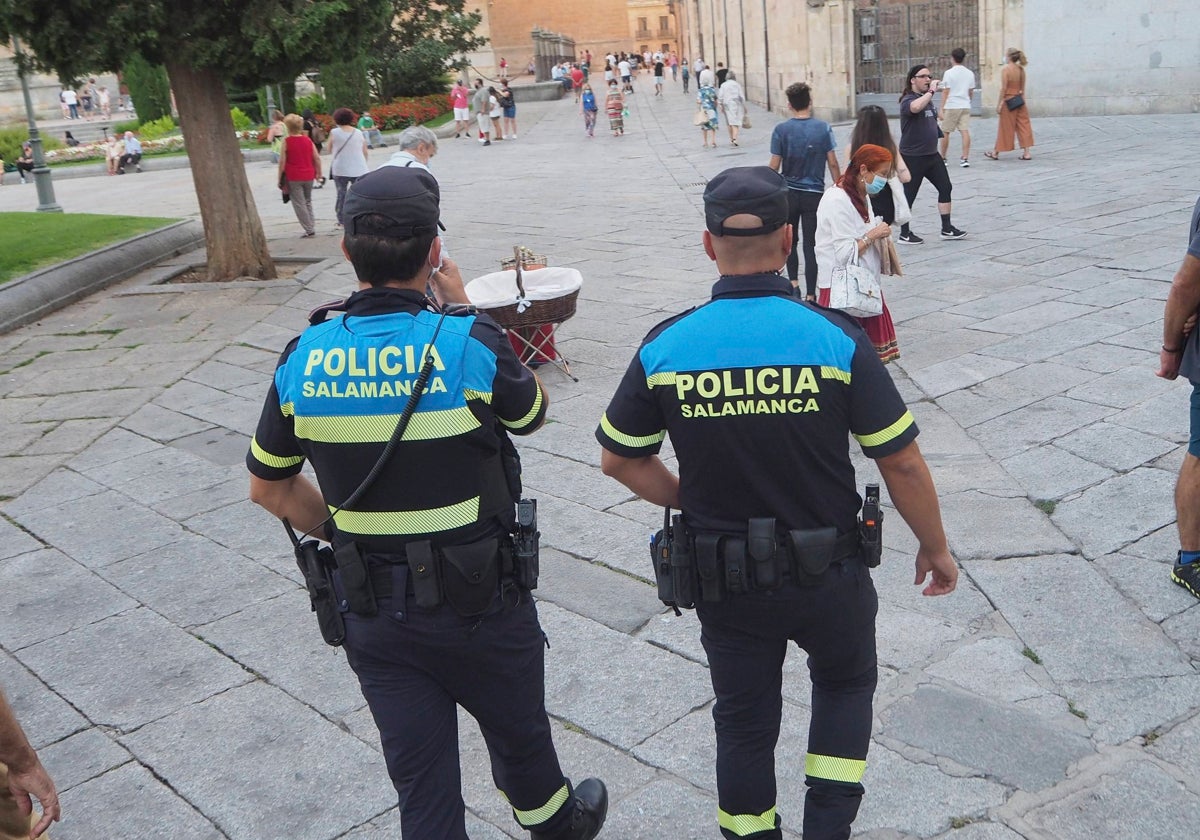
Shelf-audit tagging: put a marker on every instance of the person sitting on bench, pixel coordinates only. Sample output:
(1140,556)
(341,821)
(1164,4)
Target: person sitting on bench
(133,153)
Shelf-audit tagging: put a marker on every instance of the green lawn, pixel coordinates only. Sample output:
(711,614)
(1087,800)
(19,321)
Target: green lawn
(29,241)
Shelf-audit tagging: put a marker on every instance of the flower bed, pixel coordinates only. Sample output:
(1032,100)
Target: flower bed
(399,114)
(96,151)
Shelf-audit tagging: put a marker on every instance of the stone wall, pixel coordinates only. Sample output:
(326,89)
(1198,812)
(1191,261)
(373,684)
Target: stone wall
(1086,56)
(1112,56)
(597,25)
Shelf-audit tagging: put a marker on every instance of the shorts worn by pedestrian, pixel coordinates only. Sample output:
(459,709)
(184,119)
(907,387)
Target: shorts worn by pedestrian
(424,586)
(1181,357)
(760,393)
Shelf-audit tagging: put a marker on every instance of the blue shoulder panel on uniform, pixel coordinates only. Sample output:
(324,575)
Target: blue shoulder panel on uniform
(748,332)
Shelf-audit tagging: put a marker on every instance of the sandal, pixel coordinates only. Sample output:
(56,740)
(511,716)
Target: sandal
(1025,157)
(991,156)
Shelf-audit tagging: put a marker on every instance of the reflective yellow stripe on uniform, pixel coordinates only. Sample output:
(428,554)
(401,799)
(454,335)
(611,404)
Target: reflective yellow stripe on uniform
(264,457)
(835,373)
(884,435)
(746,824)
(657,379)
(430,521)
(483,396)
(528,418)
(534,818)
(630,440)
(378,428)
(835,769)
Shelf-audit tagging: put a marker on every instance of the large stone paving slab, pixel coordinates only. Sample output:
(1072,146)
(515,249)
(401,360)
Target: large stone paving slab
(1030,593)
(130,802)
(1114,513)
(1137,799)
(612,598)
(296,775)
(591,671)
(1019,748)
(44,594)
(979,525)
(130,669)
(45,717)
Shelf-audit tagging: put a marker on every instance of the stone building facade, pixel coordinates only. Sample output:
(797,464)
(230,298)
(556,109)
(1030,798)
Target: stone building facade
(1086,56)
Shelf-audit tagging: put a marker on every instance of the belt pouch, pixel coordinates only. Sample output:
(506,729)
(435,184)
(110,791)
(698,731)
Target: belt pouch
(471,575)
(660,556)
(683,572)
(812,552)
(426,580)
(760,548)
(355,580)
(735,565)
(708,567)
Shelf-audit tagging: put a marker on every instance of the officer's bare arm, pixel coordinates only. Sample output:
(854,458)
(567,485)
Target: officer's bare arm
(648,477)
(911,489)
(294,498)
(26,775)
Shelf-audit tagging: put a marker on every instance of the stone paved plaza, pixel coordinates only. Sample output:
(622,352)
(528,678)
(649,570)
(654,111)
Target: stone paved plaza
(158,647)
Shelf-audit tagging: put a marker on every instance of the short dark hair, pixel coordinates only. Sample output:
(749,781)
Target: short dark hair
(383,259)
(958,54)
(343,116)
(799,96)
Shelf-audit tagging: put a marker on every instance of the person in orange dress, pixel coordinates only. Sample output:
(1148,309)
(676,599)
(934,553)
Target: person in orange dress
(1013,121)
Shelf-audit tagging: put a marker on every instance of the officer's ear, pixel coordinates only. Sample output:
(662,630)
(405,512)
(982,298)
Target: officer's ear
(435,253)
(708,245)
(789,235)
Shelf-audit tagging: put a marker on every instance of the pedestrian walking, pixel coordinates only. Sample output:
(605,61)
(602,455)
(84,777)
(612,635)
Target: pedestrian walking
(769,531)
(872,127)
(433,571)
(801,148)
(275,135)
(733,105)
(71,99)
(495,113)
(348,156)
(658,77)
(24,162)
(1012,110)
(1181,356)
(847,231)
(480,101)
(508,110)
(919,145)
(589,109)
(461,103)
(708,120)
(958,83)
(614,106)
(685,74)
(299,167)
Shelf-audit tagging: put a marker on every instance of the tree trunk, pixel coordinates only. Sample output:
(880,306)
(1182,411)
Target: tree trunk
(233,232)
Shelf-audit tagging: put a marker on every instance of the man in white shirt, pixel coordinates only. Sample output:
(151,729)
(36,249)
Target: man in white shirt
(957,86)
(626,75)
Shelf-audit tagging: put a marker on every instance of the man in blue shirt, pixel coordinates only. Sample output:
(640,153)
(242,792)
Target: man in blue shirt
(133,154)
(803,147)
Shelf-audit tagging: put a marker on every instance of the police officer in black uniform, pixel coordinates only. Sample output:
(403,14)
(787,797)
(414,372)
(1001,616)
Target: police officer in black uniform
(424,586)
(760,394)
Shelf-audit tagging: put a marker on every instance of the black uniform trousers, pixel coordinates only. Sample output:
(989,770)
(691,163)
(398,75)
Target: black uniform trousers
(415,664)
(746,638)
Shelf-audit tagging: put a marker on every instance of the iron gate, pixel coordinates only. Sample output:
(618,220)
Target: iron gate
(893,35)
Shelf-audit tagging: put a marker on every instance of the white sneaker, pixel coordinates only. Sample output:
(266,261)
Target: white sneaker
(514,137)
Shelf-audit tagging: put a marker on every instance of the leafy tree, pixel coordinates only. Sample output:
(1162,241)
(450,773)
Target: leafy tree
(148,86)
(345,83)
(204,44)
(413,55)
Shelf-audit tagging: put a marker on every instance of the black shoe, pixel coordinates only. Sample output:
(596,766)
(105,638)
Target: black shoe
(587,818)
(910,239)
(1187,575)
(953,233)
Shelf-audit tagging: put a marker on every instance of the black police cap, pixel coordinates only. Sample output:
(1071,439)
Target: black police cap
(396,202)
(751,190)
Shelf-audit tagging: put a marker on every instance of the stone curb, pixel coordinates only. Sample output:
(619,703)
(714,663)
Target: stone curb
(28,298)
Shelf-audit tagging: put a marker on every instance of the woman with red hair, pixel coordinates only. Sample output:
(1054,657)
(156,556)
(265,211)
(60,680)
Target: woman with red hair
(845,228)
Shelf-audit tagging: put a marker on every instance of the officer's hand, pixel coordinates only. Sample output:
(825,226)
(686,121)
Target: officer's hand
(37,782)
(447,283)
(943,567)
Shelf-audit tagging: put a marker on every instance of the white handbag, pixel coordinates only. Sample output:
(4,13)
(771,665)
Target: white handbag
(855,289)
(903,212)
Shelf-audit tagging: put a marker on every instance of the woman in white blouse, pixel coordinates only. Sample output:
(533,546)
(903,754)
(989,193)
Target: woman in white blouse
(846,227)
(348,146)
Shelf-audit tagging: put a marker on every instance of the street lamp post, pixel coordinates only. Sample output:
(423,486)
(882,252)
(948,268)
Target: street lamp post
(41,172)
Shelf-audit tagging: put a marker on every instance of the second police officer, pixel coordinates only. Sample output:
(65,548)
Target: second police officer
(760,394)
(423,586)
